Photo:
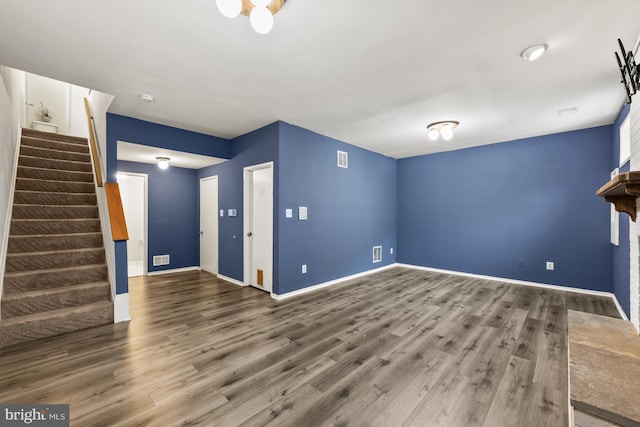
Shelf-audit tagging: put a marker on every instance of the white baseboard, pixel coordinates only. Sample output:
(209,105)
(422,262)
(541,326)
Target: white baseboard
(329,283)
(230,280)
(524,283)
(173,270)
(121,308)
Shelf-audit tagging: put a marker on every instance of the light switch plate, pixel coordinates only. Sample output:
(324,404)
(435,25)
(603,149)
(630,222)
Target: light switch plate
(221,212)
(232,212)
(288,213)
(302,213)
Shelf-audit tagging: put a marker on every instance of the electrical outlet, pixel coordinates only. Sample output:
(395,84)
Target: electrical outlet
(304,268)
(550,265)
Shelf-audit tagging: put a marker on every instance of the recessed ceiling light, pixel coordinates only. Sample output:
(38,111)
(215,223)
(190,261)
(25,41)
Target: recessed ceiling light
(534,52)
(145,97)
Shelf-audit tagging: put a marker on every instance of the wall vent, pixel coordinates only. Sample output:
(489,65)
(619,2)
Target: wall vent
(161,260)
(377,254)
(343,159)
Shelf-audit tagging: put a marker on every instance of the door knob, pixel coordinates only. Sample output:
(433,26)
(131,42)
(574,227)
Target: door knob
(201,233)
(249,234)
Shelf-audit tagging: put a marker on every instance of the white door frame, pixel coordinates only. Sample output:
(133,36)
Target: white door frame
(145,252)
(247,189)
(211,178)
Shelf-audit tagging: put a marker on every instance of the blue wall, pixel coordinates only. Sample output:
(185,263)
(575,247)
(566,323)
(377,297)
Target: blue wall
(121,128)
(349,210)
(621,253)
(259,146)
(504,209)
(173,223)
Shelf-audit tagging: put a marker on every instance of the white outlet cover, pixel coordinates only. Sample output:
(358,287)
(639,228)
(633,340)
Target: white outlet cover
(550,265)
(391,251)
(288,213)
(304,268)
(302,213)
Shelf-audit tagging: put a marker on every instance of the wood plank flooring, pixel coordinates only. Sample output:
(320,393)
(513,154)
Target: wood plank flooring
(401,347)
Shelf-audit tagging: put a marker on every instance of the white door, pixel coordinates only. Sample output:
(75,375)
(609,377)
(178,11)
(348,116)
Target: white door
(258,214)
(133,191)
(209,224)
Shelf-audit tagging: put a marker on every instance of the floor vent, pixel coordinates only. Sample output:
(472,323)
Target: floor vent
(343,159)
(377,254)
(161,260)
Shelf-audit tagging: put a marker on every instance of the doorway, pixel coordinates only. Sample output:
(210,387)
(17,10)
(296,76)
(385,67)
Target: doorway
(258,226)
(133,191)
(209,224)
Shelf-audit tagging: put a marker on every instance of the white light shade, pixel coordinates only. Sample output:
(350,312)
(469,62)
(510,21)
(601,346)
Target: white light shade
(446,131)
(261,20)
(433,134)
(163,162)
(534,52)
(261,3)
(229,8)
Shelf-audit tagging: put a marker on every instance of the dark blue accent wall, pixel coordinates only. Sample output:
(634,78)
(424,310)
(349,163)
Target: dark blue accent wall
(173,223)
(621,253)
(349,210)
(505,209)
(257,147)
(122,128)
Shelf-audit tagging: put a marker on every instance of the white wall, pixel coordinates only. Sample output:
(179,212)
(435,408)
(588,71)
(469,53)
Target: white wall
(634,228)
(12,112)
(53,94)
(77,116)
(132,192)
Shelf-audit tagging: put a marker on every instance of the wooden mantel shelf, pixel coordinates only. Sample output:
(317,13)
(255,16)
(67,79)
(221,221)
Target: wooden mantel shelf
(622,190)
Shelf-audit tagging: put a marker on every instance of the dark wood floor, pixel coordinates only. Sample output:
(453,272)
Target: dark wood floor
(401,347)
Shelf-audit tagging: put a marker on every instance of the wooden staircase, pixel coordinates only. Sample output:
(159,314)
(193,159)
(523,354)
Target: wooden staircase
(56,275)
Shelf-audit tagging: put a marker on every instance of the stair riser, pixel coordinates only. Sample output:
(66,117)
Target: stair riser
(20,244)
(73,297)
(54,212)
(48,136)
(41,198)
(55,186)
(75,321)
(48,280)
(26,150)
(64,165)
(53,175)
(31,227)
(27,262)
(54,145)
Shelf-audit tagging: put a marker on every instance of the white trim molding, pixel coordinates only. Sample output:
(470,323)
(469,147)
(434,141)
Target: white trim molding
(173,270)
(230,280)
(280,297)
(121,308)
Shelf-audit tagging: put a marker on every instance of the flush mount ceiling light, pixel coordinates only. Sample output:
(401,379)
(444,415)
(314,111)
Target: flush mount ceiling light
(260,12)
(444,129)
(145,97)
(534,52)
(163,162)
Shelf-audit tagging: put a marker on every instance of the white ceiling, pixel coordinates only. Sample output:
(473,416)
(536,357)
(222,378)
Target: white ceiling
(371,73)
(145,154)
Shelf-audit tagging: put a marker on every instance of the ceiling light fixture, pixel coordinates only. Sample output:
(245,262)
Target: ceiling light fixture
(260,12)
(534,52)
(444,129)
(163,162)
(145,97)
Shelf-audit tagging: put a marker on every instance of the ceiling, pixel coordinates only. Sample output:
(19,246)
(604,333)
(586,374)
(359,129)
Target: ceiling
(370,73)
(145,154)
